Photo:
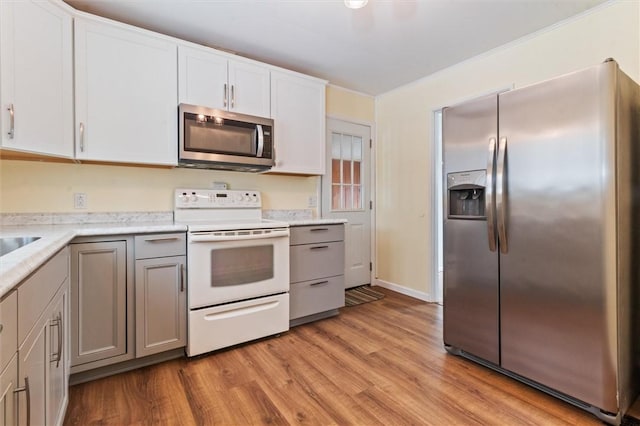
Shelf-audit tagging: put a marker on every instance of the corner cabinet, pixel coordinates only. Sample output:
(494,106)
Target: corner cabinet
(161,293)
(316,257)
(36,78)
(212,79)
(8,358)
(43,360)
(298,109)
(126,98)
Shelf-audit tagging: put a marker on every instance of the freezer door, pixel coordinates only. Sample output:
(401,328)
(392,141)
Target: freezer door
(558,275)
(470,267)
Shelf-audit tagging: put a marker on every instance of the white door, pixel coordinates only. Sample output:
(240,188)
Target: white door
(346,194)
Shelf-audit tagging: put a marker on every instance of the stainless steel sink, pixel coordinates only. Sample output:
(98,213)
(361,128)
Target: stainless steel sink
(7,245)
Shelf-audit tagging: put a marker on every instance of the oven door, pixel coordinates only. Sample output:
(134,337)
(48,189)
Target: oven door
(236,266)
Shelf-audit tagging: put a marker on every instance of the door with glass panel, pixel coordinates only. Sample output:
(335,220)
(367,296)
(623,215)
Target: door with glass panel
(346,194)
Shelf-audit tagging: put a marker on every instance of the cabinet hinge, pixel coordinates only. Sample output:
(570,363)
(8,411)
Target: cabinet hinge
(370,143)
(371,205)
(370,266)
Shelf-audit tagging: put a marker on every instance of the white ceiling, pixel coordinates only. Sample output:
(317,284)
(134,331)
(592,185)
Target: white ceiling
(372,50)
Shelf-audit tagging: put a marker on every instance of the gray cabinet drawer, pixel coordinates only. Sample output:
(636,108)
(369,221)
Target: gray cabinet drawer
(8,328)
(316,234)
(35,293)
(160,245)
(312,297)
(311,261)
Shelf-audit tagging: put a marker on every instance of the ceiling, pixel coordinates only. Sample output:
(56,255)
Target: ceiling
(372,50)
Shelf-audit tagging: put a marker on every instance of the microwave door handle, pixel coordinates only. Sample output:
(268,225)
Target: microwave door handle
(260,141)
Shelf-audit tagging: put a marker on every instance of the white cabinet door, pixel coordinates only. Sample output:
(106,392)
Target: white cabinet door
(126,97)
(161,305)
(298,111)
(212,80)
(36,78)
(249,89)
(202,78)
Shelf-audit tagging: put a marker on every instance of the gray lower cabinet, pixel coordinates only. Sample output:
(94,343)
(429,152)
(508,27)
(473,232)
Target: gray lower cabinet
(316,272)
(101,284)
(161,294)
(58,374)
(128,301)
(8,385)
(8,358)
(43,341)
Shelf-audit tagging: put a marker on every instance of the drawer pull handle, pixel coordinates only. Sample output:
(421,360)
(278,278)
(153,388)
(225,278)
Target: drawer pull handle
(318,229)
(1,327)
(319,247)
(161,239)
(319,283)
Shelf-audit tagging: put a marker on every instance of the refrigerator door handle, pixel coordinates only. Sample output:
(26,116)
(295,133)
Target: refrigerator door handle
(489,200)
(501,195)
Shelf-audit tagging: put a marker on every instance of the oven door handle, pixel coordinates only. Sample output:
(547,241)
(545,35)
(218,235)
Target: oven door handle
(210,237)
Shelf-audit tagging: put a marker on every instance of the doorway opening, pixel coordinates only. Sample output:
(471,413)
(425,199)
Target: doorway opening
(438,203)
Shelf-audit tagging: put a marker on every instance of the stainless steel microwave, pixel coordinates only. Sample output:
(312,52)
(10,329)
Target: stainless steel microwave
(216,139)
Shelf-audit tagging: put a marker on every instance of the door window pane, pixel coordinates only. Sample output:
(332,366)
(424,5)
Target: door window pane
(346,172)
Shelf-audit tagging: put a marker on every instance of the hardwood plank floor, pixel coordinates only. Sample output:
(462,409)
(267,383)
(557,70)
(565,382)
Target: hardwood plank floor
(380,363)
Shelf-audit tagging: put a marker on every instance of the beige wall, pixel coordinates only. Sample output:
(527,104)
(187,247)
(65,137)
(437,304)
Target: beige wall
(34,186)
(349,105)
(31,186)
(405,129)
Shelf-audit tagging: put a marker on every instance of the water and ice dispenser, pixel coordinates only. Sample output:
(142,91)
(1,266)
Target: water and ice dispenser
(466,194)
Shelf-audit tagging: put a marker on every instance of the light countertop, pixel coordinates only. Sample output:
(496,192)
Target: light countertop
(312,222)
(19,264)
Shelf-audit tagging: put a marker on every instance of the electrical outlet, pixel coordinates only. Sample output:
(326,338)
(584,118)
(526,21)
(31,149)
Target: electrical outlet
(312,201)
(80,200)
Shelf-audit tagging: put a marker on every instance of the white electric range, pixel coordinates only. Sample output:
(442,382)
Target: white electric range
(237,268)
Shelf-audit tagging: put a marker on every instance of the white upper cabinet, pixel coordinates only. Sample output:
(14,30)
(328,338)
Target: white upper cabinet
(298,111)
(126,97)
(211,79)
(36,77)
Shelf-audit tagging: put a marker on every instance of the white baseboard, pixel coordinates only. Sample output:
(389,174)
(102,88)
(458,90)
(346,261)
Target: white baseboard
(404,290)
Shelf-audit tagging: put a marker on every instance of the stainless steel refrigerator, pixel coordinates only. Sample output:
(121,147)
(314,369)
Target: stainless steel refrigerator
(541,235)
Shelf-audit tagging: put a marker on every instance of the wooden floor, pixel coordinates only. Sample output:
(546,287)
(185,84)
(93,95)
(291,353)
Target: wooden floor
(380,363)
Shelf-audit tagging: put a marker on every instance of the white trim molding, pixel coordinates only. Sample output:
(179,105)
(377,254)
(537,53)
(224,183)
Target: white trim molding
(404,290)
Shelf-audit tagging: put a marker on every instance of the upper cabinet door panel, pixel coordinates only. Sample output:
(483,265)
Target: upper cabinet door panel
(126,97)
(36,77)
(250,89)
(210,79)
(298,110)
(202,78)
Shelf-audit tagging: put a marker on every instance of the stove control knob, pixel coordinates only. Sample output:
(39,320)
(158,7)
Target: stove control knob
(184,197)
(238,197)
(194,197)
